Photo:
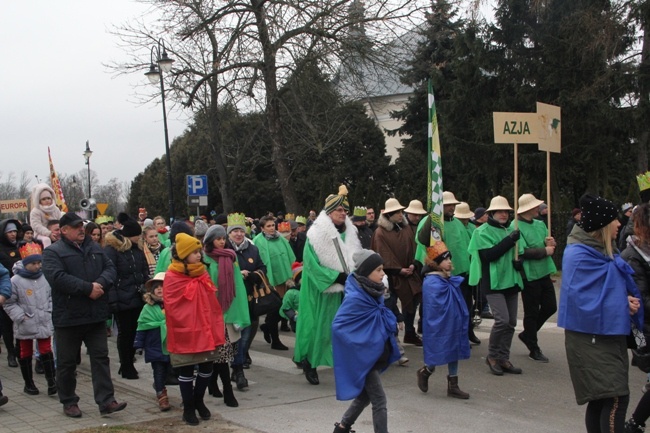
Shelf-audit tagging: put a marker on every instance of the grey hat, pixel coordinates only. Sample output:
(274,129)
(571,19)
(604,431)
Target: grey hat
(11,227)
(214,232)
(200,227)
(366,261)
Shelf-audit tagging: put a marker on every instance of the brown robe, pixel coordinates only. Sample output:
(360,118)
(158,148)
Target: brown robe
(396,245)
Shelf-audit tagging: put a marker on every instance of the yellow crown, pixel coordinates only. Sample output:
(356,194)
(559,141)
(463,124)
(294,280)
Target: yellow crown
(643,181)
(290,217)
(237,219)
(301,220)
(103,219)
(360,211)
(30,249)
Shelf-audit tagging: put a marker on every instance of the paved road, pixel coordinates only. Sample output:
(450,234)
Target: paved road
(280,399)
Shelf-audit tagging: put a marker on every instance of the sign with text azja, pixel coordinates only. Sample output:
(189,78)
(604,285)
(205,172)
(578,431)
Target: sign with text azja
(13,206)
(515,127)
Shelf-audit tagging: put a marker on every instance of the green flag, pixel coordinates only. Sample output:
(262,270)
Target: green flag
(434,187)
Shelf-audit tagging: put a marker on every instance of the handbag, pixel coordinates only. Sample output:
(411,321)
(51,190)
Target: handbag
(264,298)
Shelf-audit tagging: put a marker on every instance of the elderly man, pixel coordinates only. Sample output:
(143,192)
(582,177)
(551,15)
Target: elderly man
(323,278)
(394,241)
(80,274)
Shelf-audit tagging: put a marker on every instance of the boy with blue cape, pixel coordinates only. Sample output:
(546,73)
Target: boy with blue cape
(363,343)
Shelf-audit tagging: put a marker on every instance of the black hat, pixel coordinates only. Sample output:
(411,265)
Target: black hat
(366,261)
(27,228)
(179,227)
(478,213)
(130,227)
(70,219)
(596,212)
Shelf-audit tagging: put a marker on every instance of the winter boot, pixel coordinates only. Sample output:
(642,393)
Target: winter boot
(632,427)
(275,338)
(163,400)
(189,413)
(240,379)
(38,366)
(228,395)
(3,399)
(310,373)
(26,370)
(339,429)
(213,385)
(201,384)
(47,360)
(453,390)
(423,378)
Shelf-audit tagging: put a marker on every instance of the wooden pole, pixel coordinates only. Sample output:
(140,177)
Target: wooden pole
(515,200)
(548,190)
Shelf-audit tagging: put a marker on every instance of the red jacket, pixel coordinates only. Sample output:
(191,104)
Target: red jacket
(193,314)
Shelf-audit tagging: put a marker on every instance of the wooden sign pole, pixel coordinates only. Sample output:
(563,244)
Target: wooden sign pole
(548,191)
(515,200)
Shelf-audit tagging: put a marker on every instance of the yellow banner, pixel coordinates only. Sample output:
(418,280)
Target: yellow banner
(13,206)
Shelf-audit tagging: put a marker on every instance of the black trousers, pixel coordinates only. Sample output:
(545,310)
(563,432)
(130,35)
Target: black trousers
(127,324)
(539,303)
(68,344)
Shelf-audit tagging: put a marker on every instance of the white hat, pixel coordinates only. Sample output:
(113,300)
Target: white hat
(448,198)
(462,211)
(392,205)
(498,203)
(528,202)
(416,208)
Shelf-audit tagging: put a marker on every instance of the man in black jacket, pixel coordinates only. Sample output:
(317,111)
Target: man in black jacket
(80,273)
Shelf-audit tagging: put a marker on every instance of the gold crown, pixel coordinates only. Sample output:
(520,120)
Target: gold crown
(643,181)
(237,219)
(284,227)
(359,211)
(104,219)
(290,217)
(30,249)
(435,250)
(301,220)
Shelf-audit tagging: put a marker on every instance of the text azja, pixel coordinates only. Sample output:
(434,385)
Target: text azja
(514,127)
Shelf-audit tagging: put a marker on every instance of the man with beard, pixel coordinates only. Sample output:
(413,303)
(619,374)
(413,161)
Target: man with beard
(323,278)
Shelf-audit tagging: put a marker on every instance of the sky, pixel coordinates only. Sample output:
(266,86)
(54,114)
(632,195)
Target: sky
(56,92)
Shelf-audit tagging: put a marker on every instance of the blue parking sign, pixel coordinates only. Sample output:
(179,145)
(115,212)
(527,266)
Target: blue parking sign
(197,185)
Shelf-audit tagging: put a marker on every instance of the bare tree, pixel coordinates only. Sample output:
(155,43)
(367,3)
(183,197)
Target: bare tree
(242,52)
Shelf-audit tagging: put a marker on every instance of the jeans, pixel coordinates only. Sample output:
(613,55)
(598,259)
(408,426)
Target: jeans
(539,303)
(242,346)
(504,309)
(373,393)
(160,371)
(69,341)
(452,368)
(607,415)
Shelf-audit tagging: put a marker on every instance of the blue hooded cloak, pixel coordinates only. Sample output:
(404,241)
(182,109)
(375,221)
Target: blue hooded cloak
(361,328)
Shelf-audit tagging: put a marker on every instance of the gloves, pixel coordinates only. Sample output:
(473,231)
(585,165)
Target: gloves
(518,264)
(341,278)
(515,235)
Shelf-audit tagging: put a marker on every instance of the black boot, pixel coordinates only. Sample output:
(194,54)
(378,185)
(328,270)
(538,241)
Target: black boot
(38,366)
(339,429)
(267,332)
(213,385)
(47,360)
(11,359)
(240,379)
(26,370)
(310,373)
(189,413)
(228,395)
(275,338)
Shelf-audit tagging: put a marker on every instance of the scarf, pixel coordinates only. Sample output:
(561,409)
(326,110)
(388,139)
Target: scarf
(225,258)
(268,237)
(241,247)
(152,259)
(373,289)
(194,270)
(29,274)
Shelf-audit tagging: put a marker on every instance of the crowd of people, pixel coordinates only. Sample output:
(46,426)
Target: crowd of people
(191,296)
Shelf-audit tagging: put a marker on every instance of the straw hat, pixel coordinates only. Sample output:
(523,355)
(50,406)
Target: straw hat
(415,207)
(498,203)
(528,202)
(392,205)
(462,211)
(449,198)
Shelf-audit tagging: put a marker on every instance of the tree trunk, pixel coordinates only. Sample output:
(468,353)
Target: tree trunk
(644,95)
(217,150)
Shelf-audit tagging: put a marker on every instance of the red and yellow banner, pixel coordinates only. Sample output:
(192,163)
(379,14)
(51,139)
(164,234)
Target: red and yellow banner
(56,185)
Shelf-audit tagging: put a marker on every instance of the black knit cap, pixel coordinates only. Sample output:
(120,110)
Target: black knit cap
(596,212)
(366,261)
(130,227)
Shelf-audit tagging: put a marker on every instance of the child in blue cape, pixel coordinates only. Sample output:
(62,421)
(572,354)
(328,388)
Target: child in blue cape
(363,343)
(445,322)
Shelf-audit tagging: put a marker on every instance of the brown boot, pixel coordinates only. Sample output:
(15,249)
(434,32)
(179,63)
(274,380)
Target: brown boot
(453,390)
(163,400)
(423,378)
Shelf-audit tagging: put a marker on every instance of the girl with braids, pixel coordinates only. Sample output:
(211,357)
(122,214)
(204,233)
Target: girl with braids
(195,326)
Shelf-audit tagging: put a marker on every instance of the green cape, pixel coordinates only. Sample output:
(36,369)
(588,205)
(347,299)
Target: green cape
(533,236)
(152,317)
(278,256)
(503,274)
(237,313)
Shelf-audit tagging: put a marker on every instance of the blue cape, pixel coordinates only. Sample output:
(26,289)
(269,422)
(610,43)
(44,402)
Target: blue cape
(445,320)
(593,297)
(360,330)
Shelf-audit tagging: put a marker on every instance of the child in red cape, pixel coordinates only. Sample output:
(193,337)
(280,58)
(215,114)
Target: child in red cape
(195,326)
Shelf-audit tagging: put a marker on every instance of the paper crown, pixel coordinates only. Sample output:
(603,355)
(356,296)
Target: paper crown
(284,227)
(290,217)
(30,249)
(104,219)
(436,250)
(644,181)
(359,211)
(301,220)
(236,219)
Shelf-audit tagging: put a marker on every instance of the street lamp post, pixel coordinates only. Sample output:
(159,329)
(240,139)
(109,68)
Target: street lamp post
(87,154)
(155,74)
